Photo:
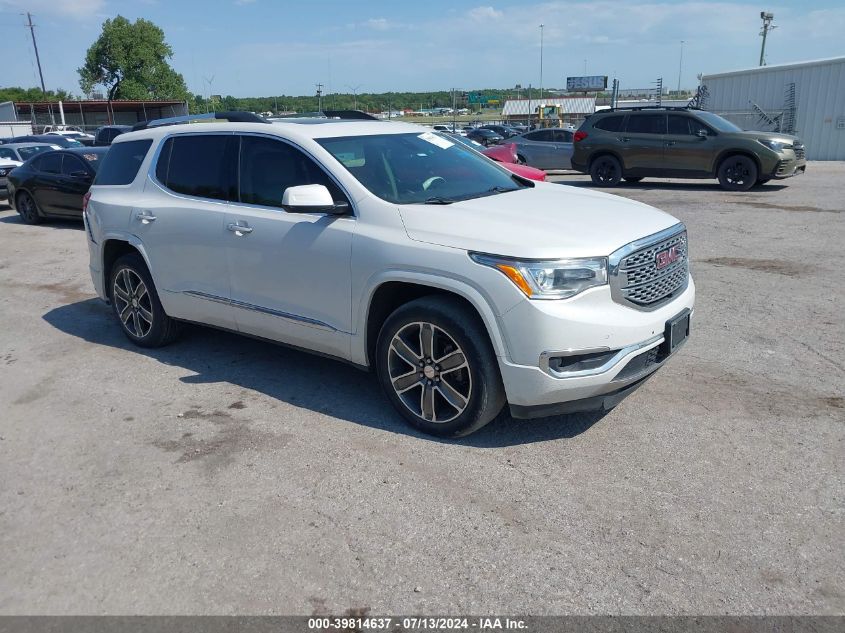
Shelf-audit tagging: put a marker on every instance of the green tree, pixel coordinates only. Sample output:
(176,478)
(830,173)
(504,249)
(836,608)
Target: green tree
(33,94)
(129,60)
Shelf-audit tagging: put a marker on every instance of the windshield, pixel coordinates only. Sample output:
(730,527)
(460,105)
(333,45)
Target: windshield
(419,168)
(714,120)
(28,152)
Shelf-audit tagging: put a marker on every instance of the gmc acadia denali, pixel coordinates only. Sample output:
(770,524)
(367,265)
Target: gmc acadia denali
(391,247)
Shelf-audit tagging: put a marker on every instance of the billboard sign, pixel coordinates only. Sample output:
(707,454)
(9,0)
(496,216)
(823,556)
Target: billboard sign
(586,84)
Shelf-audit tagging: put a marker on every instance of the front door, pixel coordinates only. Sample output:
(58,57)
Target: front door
(642,141)
(685,149)
(290,272)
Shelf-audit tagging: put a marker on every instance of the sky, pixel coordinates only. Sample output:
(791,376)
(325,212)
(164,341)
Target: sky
(265,47)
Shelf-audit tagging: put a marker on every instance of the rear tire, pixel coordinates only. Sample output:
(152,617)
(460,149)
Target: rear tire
(737,173)
(436,365)
(606,171)
(137,306)
(28,208)
(520,159)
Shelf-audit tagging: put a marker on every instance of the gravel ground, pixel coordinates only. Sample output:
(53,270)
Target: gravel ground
(222,475)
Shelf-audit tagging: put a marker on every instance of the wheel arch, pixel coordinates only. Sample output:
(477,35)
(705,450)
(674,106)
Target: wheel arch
(115,247)
(735,152)
(390,292)
(605,152)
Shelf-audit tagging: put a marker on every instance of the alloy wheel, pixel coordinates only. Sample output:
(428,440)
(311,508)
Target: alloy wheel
(429,372)
(27,208)
(737,173)
(606,171)
(133,303)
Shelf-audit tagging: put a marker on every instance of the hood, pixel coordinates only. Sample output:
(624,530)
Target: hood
(547,221)
(8,163)
(770,136)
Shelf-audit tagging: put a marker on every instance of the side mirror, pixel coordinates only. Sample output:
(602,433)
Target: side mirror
(312,199)
(702,133)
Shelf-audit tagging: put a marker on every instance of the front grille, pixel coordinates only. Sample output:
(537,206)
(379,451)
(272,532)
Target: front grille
(637,281)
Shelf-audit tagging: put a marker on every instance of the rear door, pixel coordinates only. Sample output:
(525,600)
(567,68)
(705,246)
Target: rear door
(181,221)
(537,148)
(684,149)
(563,149)
(642,142)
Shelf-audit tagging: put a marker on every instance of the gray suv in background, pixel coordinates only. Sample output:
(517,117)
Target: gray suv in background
(632,144)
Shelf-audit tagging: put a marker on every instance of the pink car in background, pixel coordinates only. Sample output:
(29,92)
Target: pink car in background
(505,154)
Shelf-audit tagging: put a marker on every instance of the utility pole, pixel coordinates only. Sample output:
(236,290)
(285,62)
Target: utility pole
(31,27)
(319,97)
(680,67)
(541,62)
(354,90)
(767,26)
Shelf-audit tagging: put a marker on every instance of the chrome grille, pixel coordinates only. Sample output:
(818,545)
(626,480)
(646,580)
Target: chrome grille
(635,278)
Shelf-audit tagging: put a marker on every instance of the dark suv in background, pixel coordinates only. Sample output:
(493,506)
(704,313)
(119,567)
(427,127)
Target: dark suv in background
(631,144)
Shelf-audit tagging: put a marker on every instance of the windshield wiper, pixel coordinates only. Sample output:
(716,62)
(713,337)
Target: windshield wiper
(501,189)
(438,200)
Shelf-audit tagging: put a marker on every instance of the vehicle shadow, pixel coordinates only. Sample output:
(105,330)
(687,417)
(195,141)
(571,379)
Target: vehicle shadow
(299,378)
(49,224)
(649,185)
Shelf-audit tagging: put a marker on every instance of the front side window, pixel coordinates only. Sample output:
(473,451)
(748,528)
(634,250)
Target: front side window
(72,165)
(268,167)
(200,165)
(647,124)
(679,124)
(419,168)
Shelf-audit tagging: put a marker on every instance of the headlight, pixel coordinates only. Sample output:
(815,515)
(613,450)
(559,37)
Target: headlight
(776,146)
(555,279)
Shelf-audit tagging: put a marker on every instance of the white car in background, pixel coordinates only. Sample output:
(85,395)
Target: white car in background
(76,135)
(464,286)
(6,165)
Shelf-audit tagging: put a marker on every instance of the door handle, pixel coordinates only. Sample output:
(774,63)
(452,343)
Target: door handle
(145,216)
(669,143)
(239,229)
(624,139)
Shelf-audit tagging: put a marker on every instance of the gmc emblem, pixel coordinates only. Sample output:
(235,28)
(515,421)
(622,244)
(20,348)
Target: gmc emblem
(664,258)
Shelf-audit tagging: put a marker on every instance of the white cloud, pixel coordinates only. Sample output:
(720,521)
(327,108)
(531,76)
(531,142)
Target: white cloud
(484,13)
(50,8)
(378,24)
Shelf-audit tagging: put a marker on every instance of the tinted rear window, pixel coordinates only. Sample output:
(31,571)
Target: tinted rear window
(202,166)
(611,123)
(647,124)
(122,162)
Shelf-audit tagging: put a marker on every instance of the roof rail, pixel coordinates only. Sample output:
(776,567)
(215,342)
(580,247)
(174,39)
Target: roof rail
(233,116)
(648,107)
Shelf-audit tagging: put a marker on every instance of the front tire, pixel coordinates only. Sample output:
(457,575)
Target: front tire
(737,173)
(28,208)
(137,306)
(606,171)
(436,364)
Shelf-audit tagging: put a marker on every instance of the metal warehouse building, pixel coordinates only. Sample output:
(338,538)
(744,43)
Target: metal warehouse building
(803,98)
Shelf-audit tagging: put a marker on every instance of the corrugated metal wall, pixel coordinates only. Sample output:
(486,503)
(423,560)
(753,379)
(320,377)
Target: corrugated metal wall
(820,101)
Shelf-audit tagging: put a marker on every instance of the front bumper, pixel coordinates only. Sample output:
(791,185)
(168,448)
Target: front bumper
(788,167)
(534,331)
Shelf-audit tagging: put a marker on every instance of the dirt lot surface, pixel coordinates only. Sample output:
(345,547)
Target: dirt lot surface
(224,475)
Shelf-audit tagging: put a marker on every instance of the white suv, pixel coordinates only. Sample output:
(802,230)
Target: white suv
(391,247)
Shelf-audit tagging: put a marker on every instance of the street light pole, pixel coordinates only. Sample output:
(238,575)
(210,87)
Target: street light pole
(767,26)
(354,90)
(680,67)
(541,61)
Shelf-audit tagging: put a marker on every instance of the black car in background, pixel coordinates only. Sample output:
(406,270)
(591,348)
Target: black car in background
(485,137)
(49,139)
(505,131)
(52,184)
(106,134)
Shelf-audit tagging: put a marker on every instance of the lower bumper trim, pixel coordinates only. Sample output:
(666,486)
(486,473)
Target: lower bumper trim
(603,402)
